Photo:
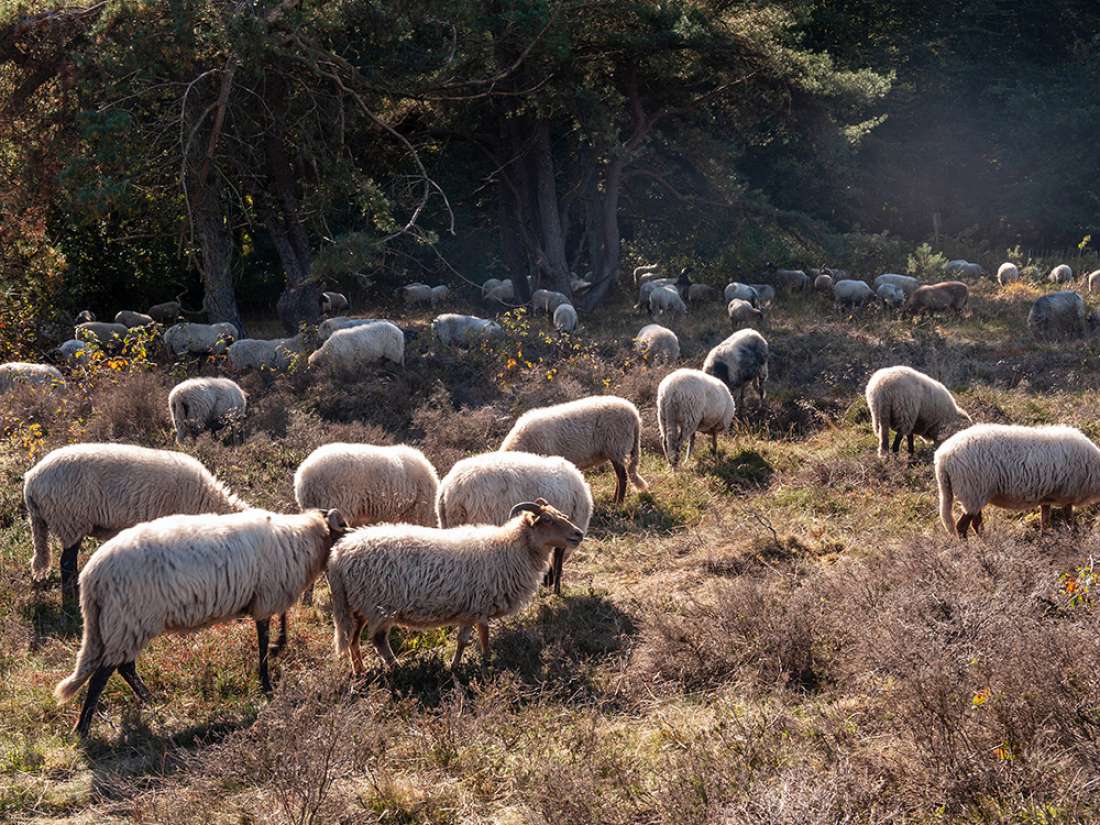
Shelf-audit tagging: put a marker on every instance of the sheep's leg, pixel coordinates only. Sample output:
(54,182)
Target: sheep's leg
(483,640)
(691,447)
(70,582)
(263,640)
(381,641)
(464,633)
(909,443)
(280,640)
(620,481)
(741,399)
(761,390)
(91,700)
(556,564)
(964,525)
(307,596)
(978,524)
(353,648)
(897,441)
(1067,515)
(714,443)
(129,672)
(883,439)
(1044,517)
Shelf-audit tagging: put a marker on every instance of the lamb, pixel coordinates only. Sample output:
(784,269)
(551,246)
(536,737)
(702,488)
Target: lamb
(824,284)
(742,314)
(690,401)
(22,372)
(565,318)
(891,295)
(454,330)
(187,572)
(906,283)
(1008,273)
(657,344)
(912,403)
(187,338)
(587,432)
(166,313)
(666,300)
(765,294)
(1017,468)
(502,293)
(1094,281)
(201,404)
(350,351)
(397,574)
(644,269)
(740,360)
(949,295)
(1057,314)
(439,294)
(133,320)
(702,293)
(105,334)
(99,489)
(262,354)
(546,300)
(334,302)
(418,293)
(742,291)
(1061,274)
(482,489)
(851,293)
(646,289)
(331,325)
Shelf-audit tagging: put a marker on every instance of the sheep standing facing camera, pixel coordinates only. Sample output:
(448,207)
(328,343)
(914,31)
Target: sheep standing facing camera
(689,402)
(201,404)
(565,318)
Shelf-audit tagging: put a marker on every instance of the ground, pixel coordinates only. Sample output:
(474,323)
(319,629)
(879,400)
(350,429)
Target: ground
(782,633)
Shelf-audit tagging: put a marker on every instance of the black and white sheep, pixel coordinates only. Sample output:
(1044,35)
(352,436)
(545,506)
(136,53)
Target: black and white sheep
(911,403)
(738,361)
(198,405)
(689,402)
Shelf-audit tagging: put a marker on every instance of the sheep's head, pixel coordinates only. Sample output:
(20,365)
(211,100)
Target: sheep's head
(550,526)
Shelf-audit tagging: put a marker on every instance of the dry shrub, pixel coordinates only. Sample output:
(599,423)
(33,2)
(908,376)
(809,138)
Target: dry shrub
(447,434)
(131,408)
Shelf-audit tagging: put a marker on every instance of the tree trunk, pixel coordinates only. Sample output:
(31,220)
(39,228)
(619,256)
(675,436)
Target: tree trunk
(553,260)
(610,237)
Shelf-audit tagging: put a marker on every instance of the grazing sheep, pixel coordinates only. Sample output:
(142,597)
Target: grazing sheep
(1061,274)
(911,403)
(657,344)
(644,269)
(565,318)
(440,294)
(891,295)
(482,489)
(71,351)
(954,265)
(106,335)
(201,404)
(1057,314)
(350,351)
(906,283)
(1094,281)
(187,572)
(331,325)
(454,330)
(262,354)
(99,489)
(1008,273)
(588,432)
(502,293)
(852,293)
(792,280)
(742,291)
(646,289)
(740,360)
(166,313)
(414,294)
(970,270)
(1017,468)
(21,372)
(489,284)
(690,401)
(133,320)
(546,300)
(665,300)
(824,284)
(765,294)
(332,302)
(702,293)
(199,339)
(743,314)
(949,295)
(398,574)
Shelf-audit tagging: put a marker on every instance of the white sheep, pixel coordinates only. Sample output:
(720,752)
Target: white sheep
(331,325)
(440,294)
(657,344)
(970,270)
(1094,281)
(1057,314)
(689,402)
(483,488)
(106,335)
(22,372)
(765,294)
(1017,468)
(1008,273)
(906,283)
(743,291)
(891,295)
(824,283)
(588,432)
(275,354)
(647,288)
(99,489)
(333,302)
(1061,274)
(547,300)
(453,330)
(738,361)
(133,320)
(743,314)
(502,293)
(350,351)
(852,293)
(201,404)
(186,572)
(911,403)
(565,318)
(665,300)
(418,293)
(398,574)
(187,338)
(490,284)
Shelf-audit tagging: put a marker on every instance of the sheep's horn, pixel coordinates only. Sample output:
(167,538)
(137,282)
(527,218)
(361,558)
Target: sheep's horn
(525,506)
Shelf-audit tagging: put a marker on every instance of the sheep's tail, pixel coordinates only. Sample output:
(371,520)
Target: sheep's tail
(341,612)
(90,657)
(947,498)
(40,536)
(635,456)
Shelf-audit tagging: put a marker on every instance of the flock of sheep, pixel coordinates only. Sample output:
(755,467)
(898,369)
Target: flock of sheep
(401,547)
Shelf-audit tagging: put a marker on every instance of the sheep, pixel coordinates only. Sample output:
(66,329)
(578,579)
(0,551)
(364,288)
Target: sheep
(489,285)
(105,334)
(85,316)
(657,344)
(440,294)
(949,295)
(646,289)
(502,293)
(99,489)
(702,293)
(397,574)
(690,401)
(1061,274)
(21,372)
(644,269)
(912,403)
(792,280)
(259,353)
(743,291)
(453,330)
(417,293)
(187,338)
(649,277)
(765,294)
(331,325)
(565,318)
(1017,468)
(166,313)
(954,265)
(891,295)
(743,314)
(70,352)
(970,270)
(546,300)
(589,432)
(482,489)
(851,293)
(200,404)
(824,284)
(738,361)
(1094,281)
(1008,273)
(350,351)
(666,300)
(1057,314)
(334,302)
(186,572)
(133,320)
(906,283)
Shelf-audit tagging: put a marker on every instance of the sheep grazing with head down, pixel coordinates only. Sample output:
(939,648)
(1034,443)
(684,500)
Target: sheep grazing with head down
(440,294)
(187,572)
(275,354)
(702,294)
(546,300)
(99,489)
(744,292)
(331,325)
(949,296)
(349,352)
(416,294)
(490,284)
(588,432)
(198,405)
(657,344)
(906,283)
(70,352)
(501,293)
(647,287)
(333,302)
(891,295)
(740,360)
(1057,314)
(199,339)
(133,320)
(765,294)
(1008,273)
(454,330)
(1017,468)
(742,314)
(666,300)
(791,280)
(14,373)
(1061,274)
(482,490)
(689,402)
(852,293)
(823,283)
(108,336)
(911,403)
(565,318)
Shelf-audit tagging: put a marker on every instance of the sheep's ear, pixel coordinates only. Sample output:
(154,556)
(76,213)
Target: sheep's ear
(336,521)
(541,502)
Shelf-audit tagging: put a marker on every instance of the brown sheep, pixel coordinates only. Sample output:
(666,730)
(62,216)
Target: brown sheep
(950,295)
